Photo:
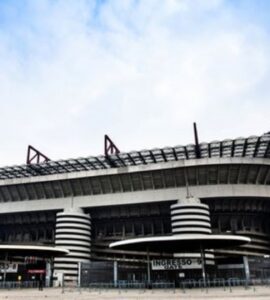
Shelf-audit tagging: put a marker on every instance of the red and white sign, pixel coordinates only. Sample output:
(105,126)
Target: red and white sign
(37,271)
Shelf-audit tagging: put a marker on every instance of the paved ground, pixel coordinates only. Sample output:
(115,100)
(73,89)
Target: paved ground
(261,293)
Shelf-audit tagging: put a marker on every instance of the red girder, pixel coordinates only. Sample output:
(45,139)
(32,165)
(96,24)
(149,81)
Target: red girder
(109,146)
(34,156)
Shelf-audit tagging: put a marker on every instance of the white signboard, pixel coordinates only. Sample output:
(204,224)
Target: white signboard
(10,267)
(176,264)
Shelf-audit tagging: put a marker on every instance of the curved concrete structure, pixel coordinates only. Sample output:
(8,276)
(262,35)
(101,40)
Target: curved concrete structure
(188,235)
(190,216)
(73,233)
(32,250)
(180,242)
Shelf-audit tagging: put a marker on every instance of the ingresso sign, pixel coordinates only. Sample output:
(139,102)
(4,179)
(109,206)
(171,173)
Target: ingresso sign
(176,264)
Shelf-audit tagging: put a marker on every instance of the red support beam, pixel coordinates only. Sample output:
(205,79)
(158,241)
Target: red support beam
(34,156)
(109,146)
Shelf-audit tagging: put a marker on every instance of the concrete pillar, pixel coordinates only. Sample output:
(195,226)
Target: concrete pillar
(246,268)
(115,273)
(79,273)
(48,273)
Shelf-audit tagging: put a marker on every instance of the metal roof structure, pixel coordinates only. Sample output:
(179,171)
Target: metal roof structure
(251,147)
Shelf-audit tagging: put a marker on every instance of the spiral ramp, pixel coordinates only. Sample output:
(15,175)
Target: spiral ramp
(190,216)
(73,232)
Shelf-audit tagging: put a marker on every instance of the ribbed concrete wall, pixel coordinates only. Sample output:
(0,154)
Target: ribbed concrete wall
(73,232)
(190,216)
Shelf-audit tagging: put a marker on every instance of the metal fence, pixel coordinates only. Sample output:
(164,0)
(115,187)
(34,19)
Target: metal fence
(183,284)
(18,284)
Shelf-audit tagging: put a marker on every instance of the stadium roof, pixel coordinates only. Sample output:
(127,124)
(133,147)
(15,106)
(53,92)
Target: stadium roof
(253,146)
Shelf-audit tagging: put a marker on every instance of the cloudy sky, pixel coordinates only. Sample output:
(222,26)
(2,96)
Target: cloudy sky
(139,71)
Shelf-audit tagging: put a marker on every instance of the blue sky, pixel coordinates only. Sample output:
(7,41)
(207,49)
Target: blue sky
(140,71)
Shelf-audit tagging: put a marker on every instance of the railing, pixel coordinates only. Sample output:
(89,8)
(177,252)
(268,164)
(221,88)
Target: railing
(125,284)
(222,282)
(183,284)
(18,284)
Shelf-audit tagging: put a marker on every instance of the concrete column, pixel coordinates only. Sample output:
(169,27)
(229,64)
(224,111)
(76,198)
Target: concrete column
(148,269)
(115,273)
(48,273)
(79,273)
(246,268)
(203,266)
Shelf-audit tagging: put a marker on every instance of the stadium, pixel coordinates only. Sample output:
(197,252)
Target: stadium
(86,205)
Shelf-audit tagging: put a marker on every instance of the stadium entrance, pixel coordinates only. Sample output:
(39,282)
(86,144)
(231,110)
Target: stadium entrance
(167,273)
(27,265)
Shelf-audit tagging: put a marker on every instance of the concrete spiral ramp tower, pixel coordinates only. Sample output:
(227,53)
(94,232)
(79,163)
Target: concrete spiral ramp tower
(190,216)
(73,232)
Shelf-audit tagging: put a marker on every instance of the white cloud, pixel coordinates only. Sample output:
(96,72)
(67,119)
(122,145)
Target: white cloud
(141,71)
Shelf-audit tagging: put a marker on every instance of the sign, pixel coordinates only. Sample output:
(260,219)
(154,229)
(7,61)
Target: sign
(230,266)
(8,267)
(176,264)
(37,271)
(30,259)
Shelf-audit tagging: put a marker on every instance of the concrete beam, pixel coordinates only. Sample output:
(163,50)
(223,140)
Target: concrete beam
(148,196)
(140,168)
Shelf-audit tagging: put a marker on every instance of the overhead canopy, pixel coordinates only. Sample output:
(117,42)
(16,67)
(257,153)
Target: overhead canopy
(254,146)
(180,243)
(32,250)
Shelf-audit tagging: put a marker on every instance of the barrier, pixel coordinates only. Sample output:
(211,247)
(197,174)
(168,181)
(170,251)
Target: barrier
(184,284)
(18,284)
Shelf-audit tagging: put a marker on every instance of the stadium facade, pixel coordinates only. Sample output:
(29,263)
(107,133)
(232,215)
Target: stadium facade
(86,204)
